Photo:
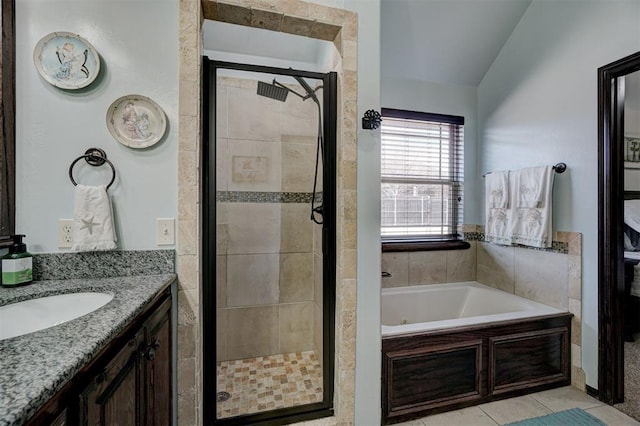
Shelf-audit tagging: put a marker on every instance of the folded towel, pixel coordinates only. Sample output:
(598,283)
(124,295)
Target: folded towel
(531,186)
(498,223)
(92,219)
(532,225)
(497,189)
(498,227)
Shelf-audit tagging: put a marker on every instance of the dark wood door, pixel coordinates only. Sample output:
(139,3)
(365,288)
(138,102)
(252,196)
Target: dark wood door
(115,395)
(158,367)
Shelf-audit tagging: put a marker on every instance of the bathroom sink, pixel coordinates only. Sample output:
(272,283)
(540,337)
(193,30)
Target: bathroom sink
(32,315)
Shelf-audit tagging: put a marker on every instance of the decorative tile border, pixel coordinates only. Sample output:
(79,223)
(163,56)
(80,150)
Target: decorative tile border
(266,197)
(102,264)
(556,246)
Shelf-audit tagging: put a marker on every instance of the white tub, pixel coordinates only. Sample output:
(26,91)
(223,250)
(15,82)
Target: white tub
(436,306)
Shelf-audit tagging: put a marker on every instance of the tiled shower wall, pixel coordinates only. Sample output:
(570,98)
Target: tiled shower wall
(265,285)
(552,276)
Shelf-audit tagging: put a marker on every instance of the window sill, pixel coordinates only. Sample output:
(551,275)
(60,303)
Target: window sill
(391,246)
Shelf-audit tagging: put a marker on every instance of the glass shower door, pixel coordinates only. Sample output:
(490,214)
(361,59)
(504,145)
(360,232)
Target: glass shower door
(270,267)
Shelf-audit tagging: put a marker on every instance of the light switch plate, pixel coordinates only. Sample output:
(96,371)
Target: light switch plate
(65,233)
(165,232)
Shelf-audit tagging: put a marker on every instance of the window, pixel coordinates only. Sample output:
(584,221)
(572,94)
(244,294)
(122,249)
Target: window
(421,178)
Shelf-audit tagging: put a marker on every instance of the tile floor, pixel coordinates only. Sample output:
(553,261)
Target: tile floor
(525,407)
(269,382)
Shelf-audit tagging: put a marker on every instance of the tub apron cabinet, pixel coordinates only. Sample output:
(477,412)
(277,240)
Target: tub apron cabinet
(441,370)
(128,383)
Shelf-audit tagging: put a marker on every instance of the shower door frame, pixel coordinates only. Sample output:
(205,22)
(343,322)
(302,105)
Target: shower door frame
(208,247)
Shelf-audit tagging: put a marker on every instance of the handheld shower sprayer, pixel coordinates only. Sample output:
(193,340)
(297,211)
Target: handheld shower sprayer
(310,92)
(279,92)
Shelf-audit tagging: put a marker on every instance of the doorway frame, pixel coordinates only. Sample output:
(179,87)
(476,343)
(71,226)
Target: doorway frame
(611,227)
(209,246)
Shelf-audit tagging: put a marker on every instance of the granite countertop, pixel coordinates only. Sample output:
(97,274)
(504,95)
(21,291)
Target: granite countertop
(33,367)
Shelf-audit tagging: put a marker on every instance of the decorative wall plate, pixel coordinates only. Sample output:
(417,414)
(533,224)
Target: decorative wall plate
(66,60)
(136,121)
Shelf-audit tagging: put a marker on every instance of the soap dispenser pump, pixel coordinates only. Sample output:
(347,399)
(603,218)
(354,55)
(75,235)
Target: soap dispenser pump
(17,265)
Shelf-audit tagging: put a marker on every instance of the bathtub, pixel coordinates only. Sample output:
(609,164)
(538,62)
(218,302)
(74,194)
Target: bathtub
(437,306)
(448,346)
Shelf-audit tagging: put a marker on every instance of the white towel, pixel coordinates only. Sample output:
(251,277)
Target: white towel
(532,225)
(497,227)
(531,186)
(92,219)
(497,189)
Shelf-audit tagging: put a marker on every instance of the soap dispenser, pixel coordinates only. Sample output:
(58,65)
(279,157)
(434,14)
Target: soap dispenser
(17,265)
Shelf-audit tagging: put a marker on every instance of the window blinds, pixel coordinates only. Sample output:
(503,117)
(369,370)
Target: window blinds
(421,175)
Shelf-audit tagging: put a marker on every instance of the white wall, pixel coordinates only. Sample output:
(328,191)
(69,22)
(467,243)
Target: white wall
(424,96)
(538,105)
(138,45)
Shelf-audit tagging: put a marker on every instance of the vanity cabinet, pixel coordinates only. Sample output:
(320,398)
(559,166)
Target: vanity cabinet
(114,394)
(127,383)
(157,367)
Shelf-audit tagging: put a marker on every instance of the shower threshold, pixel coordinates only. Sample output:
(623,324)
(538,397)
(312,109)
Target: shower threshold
(267,383)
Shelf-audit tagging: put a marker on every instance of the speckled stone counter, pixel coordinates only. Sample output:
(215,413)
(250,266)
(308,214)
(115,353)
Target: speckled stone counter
(33,367)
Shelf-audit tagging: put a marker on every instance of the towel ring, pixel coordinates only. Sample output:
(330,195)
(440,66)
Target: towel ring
(94,157)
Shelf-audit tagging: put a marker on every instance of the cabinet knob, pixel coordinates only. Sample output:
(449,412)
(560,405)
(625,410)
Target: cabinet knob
(150,354)
(100,378)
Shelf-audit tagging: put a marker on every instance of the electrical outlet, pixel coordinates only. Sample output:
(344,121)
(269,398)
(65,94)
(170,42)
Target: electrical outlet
(65,233)
(165,232)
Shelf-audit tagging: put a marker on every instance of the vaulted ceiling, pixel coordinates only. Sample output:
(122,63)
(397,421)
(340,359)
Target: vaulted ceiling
(445,41)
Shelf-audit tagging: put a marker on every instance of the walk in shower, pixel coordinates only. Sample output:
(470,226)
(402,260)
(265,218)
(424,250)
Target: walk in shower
(269,137)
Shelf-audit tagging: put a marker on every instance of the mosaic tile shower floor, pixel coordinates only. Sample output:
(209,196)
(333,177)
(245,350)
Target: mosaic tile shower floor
(270,382)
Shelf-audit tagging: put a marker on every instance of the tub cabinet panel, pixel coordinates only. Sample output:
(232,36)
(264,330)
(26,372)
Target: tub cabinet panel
(521,360)
(436,371)
(435,376)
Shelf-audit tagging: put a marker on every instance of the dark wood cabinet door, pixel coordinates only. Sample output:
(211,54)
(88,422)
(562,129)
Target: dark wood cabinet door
(115,394)
(158,367)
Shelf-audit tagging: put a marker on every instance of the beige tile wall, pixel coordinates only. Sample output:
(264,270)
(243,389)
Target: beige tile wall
(429,267)
(267,274)
(188,251)
(294,17)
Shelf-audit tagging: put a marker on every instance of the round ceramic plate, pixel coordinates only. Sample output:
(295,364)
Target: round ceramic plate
(136,121)
(66,60)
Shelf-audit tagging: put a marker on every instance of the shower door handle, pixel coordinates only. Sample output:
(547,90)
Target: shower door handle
(325,239)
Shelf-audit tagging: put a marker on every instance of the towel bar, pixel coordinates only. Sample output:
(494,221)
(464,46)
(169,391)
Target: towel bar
(94,157)
(558,168)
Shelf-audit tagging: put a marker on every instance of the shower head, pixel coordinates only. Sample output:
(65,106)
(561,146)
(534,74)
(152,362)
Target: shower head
(273,91)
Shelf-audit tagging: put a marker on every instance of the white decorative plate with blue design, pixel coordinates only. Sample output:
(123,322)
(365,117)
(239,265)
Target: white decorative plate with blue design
(136,121)
(66,60)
